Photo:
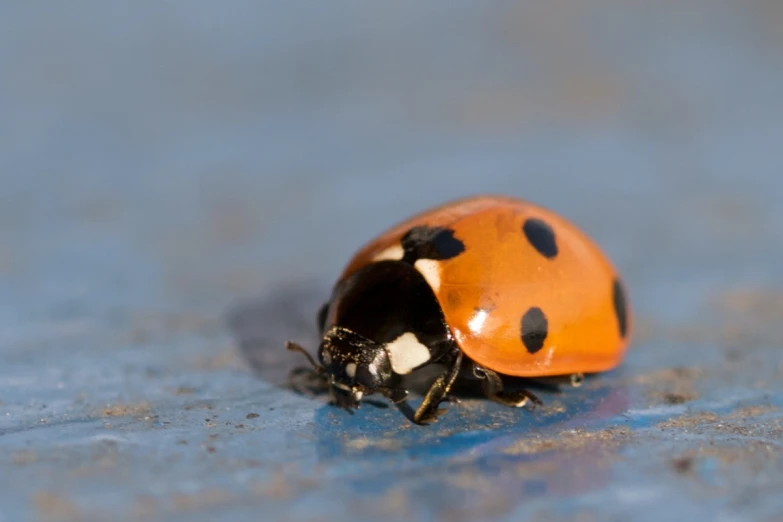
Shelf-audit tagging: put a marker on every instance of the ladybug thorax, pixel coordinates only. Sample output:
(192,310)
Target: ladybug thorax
(384,319)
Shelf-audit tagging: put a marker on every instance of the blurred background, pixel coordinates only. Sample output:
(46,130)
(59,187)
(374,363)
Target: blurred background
(180,182)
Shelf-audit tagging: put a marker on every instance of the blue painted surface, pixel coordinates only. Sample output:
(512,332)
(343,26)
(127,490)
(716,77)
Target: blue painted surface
(180,185)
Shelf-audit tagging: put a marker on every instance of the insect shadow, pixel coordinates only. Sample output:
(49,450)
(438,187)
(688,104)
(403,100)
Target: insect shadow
(261,327)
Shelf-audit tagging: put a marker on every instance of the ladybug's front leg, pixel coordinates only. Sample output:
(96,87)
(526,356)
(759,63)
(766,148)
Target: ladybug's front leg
(428,410)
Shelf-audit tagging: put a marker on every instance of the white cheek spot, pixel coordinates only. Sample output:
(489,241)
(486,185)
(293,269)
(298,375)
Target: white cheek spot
(350,370)
(407,353)
(430,269)
(357,395)
(393,253)
(477,321)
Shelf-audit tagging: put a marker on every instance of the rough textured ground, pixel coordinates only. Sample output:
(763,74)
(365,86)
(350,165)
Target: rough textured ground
(180,184)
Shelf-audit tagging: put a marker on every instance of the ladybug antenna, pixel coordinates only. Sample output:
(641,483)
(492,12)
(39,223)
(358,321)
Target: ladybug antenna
(293,347)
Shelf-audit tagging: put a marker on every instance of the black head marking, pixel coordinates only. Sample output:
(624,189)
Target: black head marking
(541,236)
(620,306)
(534,329)
(436,243)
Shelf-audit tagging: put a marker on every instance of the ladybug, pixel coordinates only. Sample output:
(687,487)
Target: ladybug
(491,285)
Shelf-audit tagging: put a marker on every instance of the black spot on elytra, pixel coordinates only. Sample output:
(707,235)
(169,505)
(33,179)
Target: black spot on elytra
(431,243)
(535,328)
(620,306)
(541,236)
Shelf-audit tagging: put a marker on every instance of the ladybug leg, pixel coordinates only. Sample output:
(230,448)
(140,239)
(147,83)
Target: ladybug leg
(428,410)
(395,395)
(452,398)
(307,382)
(493,388)
(393,390)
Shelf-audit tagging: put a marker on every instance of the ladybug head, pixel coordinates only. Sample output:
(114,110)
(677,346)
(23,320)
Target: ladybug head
(354,367)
